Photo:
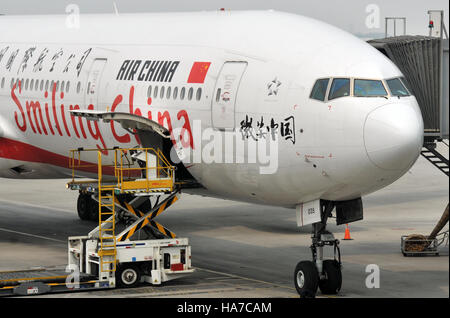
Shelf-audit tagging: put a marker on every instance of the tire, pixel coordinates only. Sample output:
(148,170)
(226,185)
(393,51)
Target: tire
(83,207)
(128,276)
(306,279)
(93,209)
(331,285)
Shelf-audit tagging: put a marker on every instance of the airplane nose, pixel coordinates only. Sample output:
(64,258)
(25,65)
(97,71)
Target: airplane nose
(393,135)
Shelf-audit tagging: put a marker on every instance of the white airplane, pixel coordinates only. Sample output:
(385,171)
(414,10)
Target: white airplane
(337,112)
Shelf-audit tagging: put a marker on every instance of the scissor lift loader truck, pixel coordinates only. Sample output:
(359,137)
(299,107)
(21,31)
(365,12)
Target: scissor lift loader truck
(104,259)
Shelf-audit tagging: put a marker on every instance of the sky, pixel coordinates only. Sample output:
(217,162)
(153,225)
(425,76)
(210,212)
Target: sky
(356,16)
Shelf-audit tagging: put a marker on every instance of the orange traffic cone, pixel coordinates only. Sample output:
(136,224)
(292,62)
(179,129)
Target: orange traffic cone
(347,234)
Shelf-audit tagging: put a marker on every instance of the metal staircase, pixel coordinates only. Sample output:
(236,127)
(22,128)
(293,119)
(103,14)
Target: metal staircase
(430,153)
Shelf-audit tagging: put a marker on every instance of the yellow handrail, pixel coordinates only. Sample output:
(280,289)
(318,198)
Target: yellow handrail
(124,168)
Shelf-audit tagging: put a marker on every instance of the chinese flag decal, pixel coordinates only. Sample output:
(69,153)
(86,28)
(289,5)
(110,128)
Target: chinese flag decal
(198,72)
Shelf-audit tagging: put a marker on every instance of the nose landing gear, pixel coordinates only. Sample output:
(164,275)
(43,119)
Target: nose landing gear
(320,273)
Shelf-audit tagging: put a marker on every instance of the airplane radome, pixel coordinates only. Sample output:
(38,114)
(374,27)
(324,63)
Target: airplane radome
(328,116)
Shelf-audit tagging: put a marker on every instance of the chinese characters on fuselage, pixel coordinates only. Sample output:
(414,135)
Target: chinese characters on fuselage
(38,65)
(261,128)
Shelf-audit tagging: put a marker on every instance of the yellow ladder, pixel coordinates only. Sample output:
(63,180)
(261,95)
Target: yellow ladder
(106,223)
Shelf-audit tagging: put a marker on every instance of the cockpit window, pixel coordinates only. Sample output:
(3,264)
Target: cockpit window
(368,88)
(406,84)
(339,88)
(397,88)
(320,89)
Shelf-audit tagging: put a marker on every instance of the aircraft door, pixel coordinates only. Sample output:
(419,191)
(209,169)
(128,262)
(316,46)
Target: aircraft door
(224,100)
(93,82)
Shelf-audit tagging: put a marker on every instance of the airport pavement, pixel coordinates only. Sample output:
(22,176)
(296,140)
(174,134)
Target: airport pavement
(245,250)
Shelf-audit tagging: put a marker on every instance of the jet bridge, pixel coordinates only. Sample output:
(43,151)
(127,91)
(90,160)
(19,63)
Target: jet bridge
(424,62)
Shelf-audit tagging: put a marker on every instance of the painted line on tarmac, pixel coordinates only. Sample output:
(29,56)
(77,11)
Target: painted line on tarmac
(261,281)
(32,235)
(246,278)
(31,205)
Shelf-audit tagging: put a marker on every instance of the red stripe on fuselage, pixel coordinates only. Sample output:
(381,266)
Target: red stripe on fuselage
(17,150)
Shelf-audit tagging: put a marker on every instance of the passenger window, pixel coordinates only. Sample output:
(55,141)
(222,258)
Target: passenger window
(368,88)
(175,93)
(182,93)
(3,82)
(339,88)
(199,93)
(169,91)
(320,89)
(219,90)
(155,92)
(161,94)
(397,88)
(149,92)
(190,93)
(67,87)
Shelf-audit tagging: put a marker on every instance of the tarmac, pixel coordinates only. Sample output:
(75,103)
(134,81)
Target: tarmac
(243,250)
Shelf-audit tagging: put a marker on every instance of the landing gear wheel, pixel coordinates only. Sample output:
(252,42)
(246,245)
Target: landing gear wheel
(306,279)
(83,207)
(87,207)
(332,282)
(128,276)
(93,210)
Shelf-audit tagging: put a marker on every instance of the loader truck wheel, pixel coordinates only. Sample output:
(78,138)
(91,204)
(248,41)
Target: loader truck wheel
(128,275)
(306,279)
